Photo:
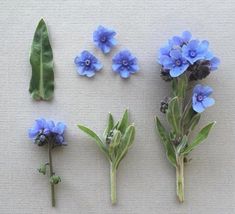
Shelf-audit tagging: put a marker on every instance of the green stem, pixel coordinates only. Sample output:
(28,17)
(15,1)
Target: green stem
(113,174)
(180,179)
(51,174)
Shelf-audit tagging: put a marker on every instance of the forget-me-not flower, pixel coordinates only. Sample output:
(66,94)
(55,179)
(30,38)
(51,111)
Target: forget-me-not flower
(87,64)
(176,63)
(201,99)
(181,40)
(125,64)
(104,39)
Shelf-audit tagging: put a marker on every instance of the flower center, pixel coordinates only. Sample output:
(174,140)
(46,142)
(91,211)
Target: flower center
(103,39)
(178,62)
(199,97)
(192,53)
(125,62)
(87,62)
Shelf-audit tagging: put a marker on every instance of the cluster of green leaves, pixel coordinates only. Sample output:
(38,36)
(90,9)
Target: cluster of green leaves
(182,120)
(117,138)
(41,60)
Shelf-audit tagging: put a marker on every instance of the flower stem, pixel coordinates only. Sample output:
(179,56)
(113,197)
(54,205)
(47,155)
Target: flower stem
(51,174)
(180,179)
(113,174)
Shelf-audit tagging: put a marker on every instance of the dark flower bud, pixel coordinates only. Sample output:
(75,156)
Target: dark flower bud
(42,169)
(165,74)
(200,70)
(109,137)
(164,105)
(55,179)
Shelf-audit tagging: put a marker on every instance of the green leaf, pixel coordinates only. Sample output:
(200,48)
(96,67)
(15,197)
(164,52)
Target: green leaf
(116,140)
(182,145)
(95,137)
(110,125)
(194,121)
(41,60)
(125,144)
(123,123)
(182,86)
(173,114)
(201,136)
(170,153)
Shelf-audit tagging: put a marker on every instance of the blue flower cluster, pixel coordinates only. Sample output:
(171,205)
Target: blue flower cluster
(182,53)
(44,132)
(124,63)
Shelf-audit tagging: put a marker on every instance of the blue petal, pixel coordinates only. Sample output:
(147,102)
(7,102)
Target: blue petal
(98,66)
(214,63)
(193,44)
(105,49)
(176,54)
(207,90)
(186,35)
(60,127)
(32,133)
(134,68)
(116,67)
(51,125)
(198,107)
(177,40)
(90,73)
(124,74)
(176,71)
(208,101)
(113,41)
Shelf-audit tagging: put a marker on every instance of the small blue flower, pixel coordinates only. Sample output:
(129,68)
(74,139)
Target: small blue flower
(181,40)
(214,63)
(195,50)
(39,126)
(87,64)
(125,64)
(176,63)
(201,99)
(104,39)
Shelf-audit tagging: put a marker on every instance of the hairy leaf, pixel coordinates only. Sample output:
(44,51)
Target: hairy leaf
(123,123)
(95,137)
(166,142)
(201,136)
(41,59)
(110,125)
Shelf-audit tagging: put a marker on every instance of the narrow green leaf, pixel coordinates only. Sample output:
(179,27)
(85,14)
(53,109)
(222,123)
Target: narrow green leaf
(182,85)
(201,136)
(173,114)
(182,145)
(41,60)
(95,137)
(194,121)
(166,142)
(123,123)
(116,140)
(125,144)
(110,125)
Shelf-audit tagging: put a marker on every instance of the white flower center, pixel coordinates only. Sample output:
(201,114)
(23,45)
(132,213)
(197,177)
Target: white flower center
(87,62)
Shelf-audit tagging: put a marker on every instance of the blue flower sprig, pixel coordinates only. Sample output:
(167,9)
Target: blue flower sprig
(183,61)
(48,133)
(124,62)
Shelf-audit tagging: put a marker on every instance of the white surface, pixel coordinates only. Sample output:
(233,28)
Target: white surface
(146,181)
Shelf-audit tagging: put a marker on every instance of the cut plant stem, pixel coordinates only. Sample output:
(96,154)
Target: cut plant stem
(51,174)
(180,179)
(113,174)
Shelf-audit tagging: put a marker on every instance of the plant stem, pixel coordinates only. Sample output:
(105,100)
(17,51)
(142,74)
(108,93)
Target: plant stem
(51,174)
(113,174)
(180,179)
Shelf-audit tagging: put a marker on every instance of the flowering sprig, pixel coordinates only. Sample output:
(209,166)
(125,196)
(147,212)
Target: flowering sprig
(48,133)
(117,139)
(184,60)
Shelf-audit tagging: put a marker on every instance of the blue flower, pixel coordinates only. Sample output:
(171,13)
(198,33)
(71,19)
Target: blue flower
(201,99)
(104,39)
(181,40)
(214,63)
(39,126)
(87,64)
(176,63)
(125,64)
(195,50)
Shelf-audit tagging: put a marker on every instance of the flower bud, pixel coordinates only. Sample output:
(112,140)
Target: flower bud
(42,169)
(55,179)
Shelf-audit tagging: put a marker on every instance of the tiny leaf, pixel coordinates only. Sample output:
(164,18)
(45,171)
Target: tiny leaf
(41,60)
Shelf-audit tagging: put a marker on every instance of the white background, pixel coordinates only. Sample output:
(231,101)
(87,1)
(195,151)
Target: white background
(146,181)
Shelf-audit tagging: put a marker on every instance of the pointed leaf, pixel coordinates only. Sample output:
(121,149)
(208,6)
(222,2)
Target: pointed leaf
(110,125)
(95,137)
(182,145)
(125,144)
(114,143)
(41,59)
(201,136)
(123,123)
(166,142)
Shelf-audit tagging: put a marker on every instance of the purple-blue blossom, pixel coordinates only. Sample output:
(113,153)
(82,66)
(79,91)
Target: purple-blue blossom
(125,64)
(201,98)
(175,63)
(44,132)
(104,39)
(87,64)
